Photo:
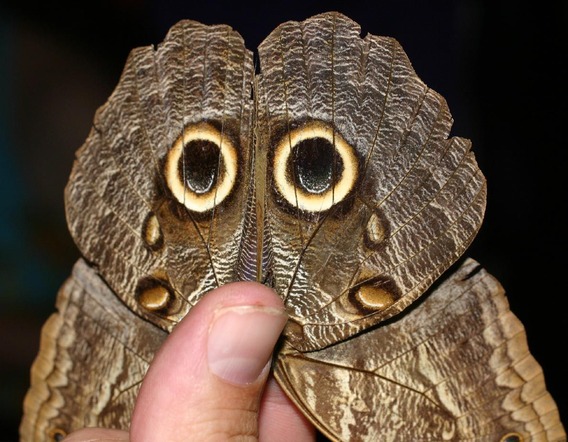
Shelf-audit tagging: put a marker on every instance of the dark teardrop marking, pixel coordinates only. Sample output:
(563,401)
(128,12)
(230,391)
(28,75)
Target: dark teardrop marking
(374,295)
(316,165)
(512,437)
(199,165)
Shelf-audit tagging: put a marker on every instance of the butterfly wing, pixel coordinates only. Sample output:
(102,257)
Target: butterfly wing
(373,200)
(157,196)
(454,367)
(93,356)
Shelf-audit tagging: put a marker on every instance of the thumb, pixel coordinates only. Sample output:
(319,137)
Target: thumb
(207,380)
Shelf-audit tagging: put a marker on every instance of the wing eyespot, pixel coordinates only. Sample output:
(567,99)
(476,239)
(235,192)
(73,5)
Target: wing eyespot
(314,167)
(376,230)
(56,435)
(374,298)
(152,233)
(512,437)
(156,296)
(201,167)
(373,295)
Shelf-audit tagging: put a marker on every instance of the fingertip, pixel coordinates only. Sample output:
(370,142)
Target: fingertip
(242,293)
(241,340)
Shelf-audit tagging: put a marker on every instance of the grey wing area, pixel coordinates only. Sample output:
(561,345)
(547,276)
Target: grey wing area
(93,356)
(417,197)
(158,255)
(455,368)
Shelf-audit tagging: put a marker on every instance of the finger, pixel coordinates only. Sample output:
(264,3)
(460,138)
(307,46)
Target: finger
(207,379)
(97,435)
(280,419)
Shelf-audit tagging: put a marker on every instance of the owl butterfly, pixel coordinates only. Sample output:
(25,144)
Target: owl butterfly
(329,176)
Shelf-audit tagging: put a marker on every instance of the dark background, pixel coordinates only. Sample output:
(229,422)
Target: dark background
(500,65)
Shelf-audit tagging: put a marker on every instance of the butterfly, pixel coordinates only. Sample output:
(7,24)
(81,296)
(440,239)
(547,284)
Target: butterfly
(329,176)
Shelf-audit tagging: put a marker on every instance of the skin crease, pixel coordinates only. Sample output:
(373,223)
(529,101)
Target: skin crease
(181,396)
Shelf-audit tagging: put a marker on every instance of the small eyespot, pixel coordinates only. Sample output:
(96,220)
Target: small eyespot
(156,296)
(374,298)
(314,167)
(375,230)
(56,435)
(373,295)
(201,167)
(152,233)
(512,437)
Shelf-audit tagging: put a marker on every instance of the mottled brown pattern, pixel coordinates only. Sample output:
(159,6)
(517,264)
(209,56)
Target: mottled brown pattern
(93,356)
(361,357)
(448,369)
(427,188)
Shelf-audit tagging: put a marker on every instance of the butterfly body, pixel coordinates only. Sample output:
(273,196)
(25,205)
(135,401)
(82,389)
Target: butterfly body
(329,176)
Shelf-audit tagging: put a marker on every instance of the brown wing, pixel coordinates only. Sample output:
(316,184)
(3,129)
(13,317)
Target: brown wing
(93,356)
(454,367)
(369,199)
(158,192)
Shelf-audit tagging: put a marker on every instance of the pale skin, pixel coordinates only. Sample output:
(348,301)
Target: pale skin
(211,381)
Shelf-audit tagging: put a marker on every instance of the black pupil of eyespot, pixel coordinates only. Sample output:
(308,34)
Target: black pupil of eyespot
(316,164)
(512,438)
(199,165)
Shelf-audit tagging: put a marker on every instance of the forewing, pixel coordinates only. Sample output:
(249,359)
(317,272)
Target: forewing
(365,218)
(157,197)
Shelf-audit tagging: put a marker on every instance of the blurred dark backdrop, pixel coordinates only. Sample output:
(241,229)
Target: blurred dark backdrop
(500,64)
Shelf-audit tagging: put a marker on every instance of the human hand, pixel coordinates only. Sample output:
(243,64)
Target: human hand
(210,380)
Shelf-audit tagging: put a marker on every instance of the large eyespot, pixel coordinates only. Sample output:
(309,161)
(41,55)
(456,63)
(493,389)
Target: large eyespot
(201,167)
(314,167)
